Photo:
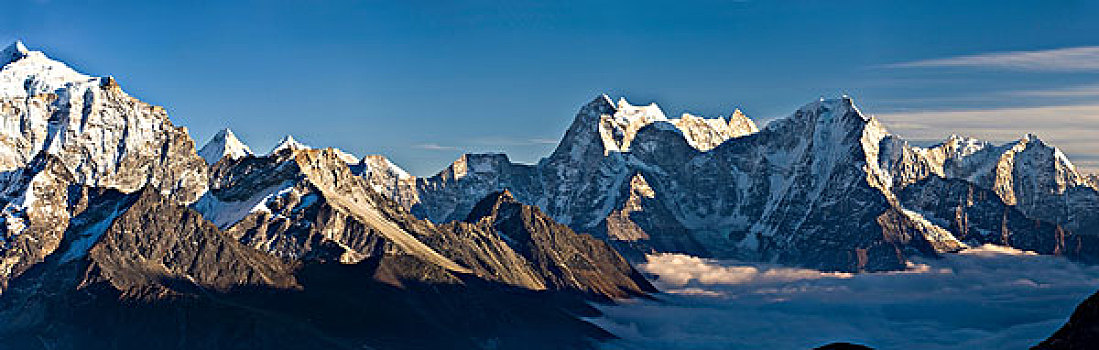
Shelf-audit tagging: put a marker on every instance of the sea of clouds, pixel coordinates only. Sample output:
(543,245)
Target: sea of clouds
(981,298)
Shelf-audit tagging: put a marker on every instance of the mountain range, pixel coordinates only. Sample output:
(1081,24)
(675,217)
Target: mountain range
(828,188)
(118,232)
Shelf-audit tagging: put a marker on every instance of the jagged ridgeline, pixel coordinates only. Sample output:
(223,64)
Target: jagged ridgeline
(117,233)
(827,188)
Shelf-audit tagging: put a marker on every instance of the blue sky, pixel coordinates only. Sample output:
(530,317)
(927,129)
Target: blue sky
(424,81)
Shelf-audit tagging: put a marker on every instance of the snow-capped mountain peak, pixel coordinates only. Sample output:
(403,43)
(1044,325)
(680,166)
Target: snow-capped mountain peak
(224,144)
(629,112)
(13,53)
(288,142)
(27,73)
(345,156)
(618,130)
(960,146)
(705,134)
(739,121)
(379,163)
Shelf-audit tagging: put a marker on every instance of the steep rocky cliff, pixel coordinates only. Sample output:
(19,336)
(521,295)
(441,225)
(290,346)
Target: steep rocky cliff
(565,259)
(60,128)
(817,189)
(307,205)
(159,276)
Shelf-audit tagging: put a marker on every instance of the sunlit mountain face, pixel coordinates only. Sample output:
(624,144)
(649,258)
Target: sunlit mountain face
(527,176)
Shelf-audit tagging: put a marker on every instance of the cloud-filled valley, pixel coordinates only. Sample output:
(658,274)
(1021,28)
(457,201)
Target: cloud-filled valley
(987,297)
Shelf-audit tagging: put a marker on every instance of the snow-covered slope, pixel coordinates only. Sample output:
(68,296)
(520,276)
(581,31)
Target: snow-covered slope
(288,142)
(386,178)
(224,144)
(1029,174)
(705,134)
(104,137)
(29,73)
(817,188)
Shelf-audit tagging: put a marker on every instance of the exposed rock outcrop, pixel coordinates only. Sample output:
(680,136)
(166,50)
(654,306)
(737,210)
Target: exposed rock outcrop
(816,189)
(565,259)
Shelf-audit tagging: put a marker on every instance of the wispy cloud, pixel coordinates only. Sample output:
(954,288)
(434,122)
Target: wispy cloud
(1084,58)
(492,143)
(1075,91)
(435,147)
(1072,128)
(543,141)
(512,141)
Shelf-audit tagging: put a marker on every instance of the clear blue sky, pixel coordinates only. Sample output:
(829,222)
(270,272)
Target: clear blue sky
(424,81)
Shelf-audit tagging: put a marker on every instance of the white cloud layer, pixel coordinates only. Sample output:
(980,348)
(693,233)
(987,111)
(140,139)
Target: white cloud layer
(1084,58)
(983,298)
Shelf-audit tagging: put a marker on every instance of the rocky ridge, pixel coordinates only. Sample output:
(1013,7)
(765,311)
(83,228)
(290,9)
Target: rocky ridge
(108,209)
(816,189)
(60,129)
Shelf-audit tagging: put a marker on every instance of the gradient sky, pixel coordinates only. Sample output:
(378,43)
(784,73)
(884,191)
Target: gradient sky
(424,81)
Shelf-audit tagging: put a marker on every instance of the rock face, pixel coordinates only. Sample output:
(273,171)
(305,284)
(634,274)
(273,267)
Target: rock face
(112,240)
(104,137)
(629,174)
(183,247)
(35,215)
(564,259)
(60,128)
(705,134)
(308,205)
(116,234)
(1028,174)
(386,178)
(978,216)
(158,275)
(818,189)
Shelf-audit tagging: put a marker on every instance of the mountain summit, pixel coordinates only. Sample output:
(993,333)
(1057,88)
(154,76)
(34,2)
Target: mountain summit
(64,131)
(288,142)
(224,144)
(13,53)
(822,188)
(116,233)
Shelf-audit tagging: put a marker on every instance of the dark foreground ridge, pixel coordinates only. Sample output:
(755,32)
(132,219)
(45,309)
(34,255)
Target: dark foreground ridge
(1080,332)
(161,277)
